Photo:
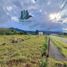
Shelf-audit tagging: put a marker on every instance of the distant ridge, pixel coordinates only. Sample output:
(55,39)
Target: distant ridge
(16,29)
(12,30)
(9,31)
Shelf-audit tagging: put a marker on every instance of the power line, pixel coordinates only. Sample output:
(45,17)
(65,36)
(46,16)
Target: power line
(64,3)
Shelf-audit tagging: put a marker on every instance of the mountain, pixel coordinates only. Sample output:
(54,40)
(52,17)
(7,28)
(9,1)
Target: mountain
(23,31)
(12,31)
(9,31)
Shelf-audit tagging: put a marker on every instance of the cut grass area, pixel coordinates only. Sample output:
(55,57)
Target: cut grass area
(21,50)
(60,44)
(65,36)
(54,63)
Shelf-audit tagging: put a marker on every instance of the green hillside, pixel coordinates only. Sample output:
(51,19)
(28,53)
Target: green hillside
(11,31)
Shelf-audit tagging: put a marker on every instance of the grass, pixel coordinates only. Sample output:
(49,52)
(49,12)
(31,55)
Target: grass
(60,44)
(28,51)
(63,49)
(54,63)
(21,50)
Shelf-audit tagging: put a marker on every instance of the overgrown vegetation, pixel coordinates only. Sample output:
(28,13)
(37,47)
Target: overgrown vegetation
(60,44)
(44,59)
(21,50)
(29,51)
(54,63)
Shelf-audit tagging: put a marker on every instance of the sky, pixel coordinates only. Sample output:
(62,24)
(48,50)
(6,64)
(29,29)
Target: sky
(47,15)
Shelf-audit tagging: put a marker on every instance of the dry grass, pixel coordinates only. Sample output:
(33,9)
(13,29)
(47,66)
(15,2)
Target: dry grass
(21,50)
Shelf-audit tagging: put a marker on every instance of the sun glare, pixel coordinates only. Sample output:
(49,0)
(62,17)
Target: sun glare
(55,17)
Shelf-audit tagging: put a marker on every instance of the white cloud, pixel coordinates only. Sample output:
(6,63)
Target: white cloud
(9,8)
(14,18)
(40,10)
(32,7)
(33,1)
(48,3)
(55,17)
(45,13)
(7,13)
(65,29)
(65,20)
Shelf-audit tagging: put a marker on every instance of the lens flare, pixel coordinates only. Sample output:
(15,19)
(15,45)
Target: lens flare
(54,17)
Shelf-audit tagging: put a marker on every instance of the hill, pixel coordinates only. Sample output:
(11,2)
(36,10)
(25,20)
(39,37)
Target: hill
(11,31)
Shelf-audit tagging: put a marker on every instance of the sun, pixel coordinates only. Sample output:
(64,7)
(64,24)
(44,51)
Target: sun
(54,17)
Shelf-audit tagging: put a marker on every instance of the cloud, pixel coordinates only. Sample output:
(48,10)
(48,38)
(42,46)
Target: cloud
(64,29)
(33,1)
(40,9)
(49,3)
(55,17)
(7,13)
(14,18)
(9,8)
(64,20)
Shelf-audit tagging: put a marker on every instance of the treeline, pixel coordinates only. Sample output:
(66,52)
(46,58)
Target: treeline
(13,31)
(4,31)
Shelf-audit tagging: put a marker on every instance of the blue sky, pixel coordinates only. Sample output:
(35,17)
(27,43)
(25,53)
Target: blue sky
(47,14)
